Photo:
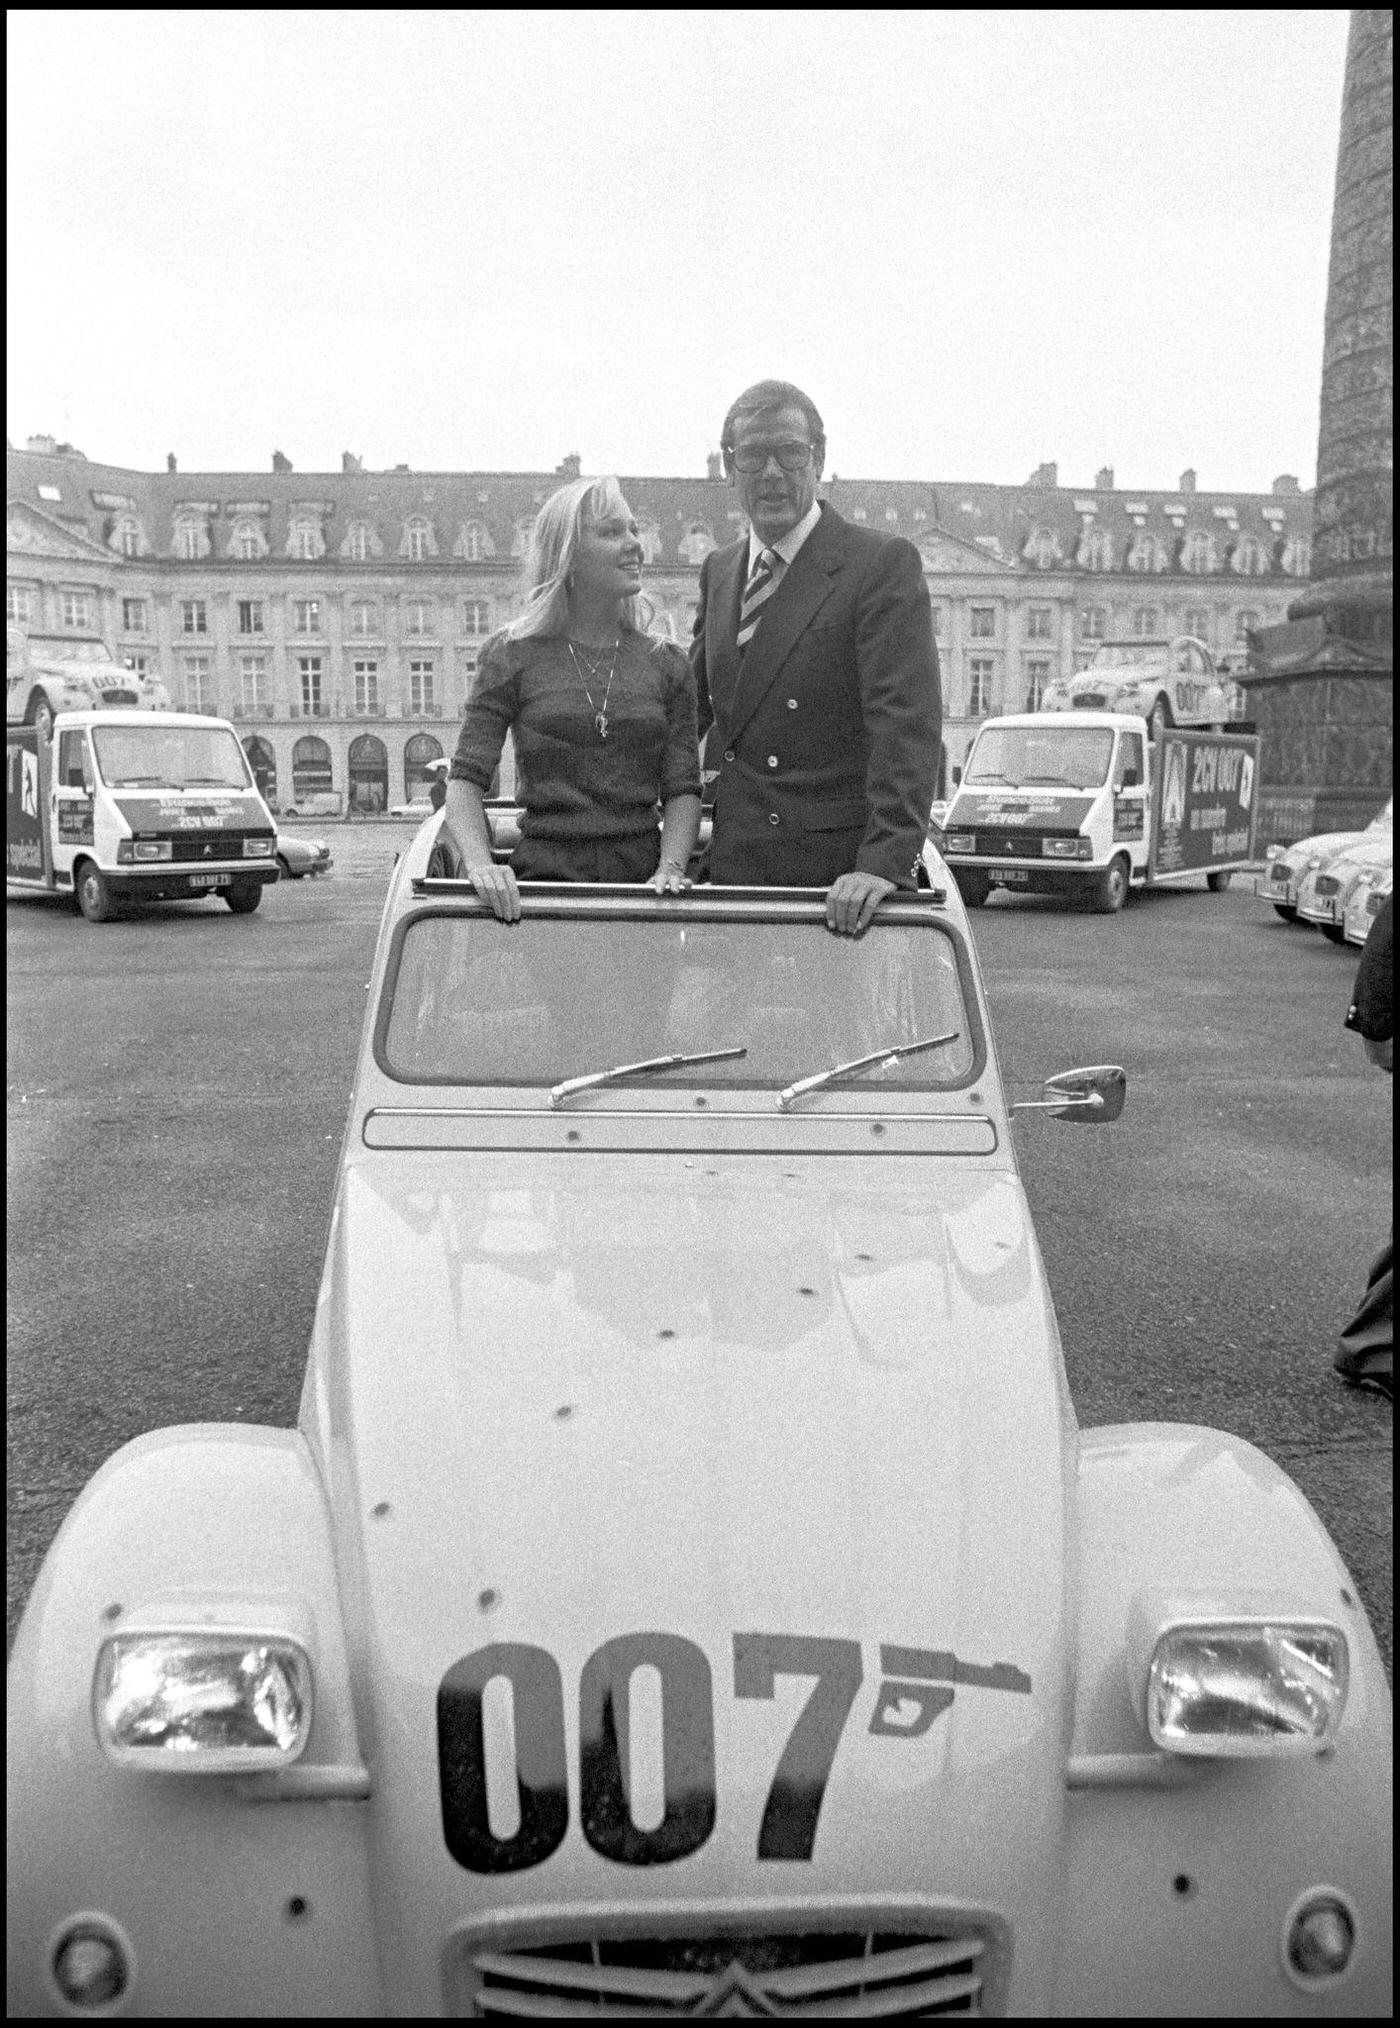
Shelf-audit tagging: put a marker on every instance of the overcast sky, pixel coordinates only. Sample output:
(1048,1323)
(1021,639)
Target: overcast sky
(480,240)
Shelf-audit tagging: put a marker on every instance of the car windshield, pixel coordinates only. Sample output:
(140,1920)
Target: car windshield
(471,1001)
(1128,655)
(170,757)
(1024,756)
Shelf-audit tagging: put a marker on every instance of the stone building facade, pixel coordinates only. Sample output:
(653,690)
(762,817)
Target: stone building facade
(337,618)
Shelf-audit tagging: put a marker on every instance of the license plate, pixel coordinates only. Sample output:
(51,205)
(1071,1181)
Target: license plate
(1014,876)
(210,879)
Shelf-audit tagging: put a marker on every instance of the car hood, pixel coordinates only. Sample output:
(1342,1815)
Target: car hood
(564,1400)
(1325,847)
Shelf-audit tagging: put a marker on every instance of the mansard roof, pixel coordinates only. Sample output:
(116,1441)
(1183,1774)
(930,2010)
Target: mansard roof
(1029,528)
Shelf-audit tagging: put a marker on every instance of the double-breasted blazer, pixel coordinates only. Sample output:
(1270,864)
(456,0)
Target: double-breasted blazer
(823,738)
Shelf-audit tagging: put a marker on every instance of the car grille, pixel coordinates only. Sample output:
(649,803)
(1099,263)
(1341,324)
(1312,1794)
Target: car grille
(187,847)
(912,1970)
(1279,872)
(1326,884)
(1015,844)
(1090,700)
(119,697)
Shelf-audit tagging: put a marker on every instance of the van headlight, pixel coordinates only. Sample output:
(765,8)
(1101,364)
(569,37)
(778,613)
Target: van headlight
(257,848)
(1240,1688)
(1066,848)
(132,851)
(958,841)
(202,1702)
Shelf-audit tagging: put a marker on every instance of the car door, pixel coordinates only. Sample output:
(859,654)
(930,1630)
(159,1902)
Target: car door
(1130,795)
(72,798)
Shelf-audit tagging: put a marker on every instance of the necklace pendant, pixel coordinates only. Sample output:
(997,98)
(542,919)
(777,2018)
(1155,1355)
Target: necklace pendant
(601,721)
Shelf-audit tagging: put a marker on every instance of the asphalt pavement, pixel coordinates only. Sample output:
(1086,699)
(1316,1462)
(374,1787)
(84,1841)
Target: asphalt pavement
(177,1090)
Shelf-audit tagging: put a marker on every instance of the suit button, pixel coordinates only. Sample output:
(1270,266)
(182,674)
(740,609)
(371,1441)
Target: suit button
(772,760)
(729,753)
(792,704)
(772,816)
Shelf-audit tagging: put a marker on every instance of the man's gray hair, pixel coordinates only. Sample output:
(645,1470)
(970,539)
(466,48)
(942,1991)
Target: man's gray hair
(773,394)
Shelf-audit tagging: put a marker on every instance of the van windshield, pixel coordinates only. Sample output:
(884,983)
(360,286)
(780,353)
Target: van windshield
(1039,756)
(137,756)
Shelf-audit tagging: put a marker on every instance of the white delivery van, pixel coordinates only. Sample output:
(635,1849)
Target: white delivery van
(1083,804)
(135,806)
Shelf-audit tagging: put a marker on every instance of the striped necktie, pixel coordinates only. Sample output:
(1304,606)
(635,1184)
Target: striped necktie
(763,582)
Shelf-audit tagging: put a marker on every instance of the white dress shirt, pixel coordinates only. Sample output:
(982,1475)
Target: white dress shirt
(786,549)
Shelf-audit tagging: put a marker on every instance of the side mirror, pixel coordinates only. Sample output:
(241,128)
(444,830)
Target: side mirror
(957,776)
(1093,1096)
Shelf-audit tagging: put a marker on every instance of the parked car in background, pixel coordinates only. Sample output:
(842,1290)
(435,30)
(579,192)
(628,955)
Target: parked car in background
(1367,899)
(299,857)
(688,1589)
(1323,893)
(1286,865)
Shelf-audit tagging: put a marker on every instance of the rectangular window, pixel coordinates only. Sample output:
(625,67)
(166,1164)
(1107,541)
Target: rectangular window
(19,605)
(187,542)
(984,623)
(250,616)
(309,672)
(305,542)
(476,617)
(133,616)
(246,545)
(367,688)
(1037,680)
(194,616)
(1092,623)
(357,544)
(306,616)
(1040,623)
(199,684)
(362,618)
(1197,622)
(140,665)
(420,689)
(1245,623)
(1145,622)
(980,669)
(75,609)
(937,622)
(418,616)
(255,690)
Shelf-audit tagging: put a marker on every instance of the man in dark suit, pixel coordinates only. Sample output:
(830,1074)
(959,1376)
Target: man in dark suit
(817,678)
(1366,1348)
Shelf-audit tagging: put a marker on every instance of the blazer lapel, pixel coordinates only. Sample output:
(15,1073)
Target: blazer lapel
(727,574)
(791,610)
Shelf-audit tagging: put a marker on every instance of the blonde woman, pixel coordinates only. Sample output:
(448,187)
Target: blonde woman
(603,717)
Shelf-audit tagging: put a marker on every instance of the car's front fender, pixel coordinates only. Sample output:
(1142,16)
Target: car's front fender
(238,1896)
(1180,1876)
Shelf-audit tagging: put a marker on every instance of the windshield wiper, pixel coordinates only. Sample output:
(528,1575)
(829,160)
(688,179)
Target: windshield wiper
(1055,781)
(145,782)
(971,781)
(210,782)
(652,1063)
(789,1097)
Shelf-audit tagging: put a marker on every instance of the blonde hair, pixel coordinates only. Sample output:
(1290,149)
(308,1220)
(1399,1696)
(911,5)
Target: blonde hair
(551,552)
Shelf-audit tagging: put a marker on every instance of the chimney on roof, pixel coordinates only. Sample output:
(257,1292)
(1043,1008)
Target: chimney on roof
(1287,484)
(714,466)
(1187,482)
(46,445)
(170,465)
(350,463)
(1044,475)
(570,467)
(1103,480)
(279,463)
(401,468)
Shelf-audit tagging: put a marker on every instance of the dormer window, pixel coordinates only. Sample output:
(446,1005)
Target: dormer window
(1042,549)
(1198,553)
(418,544)
(126,536)
(191,538)
(247,542)
(356,546)
(305,540)
(1146,554)
(1297,555)
(1250,559)
(1096,550)
(473,544)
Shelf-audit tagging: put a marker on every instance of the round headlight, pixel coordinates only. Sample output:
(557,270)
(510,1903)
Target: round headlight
(1319,1937)
(92,1962)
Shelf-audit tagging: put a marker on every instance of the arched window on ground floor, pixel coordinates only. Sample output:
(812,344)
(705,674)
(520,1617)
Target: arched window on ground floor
(263,761)
(369,776)
(312,773)
(419,751)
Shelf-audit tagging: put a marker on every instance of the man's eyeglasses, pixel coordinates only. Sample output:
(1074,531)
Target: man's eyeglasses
(753,457)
